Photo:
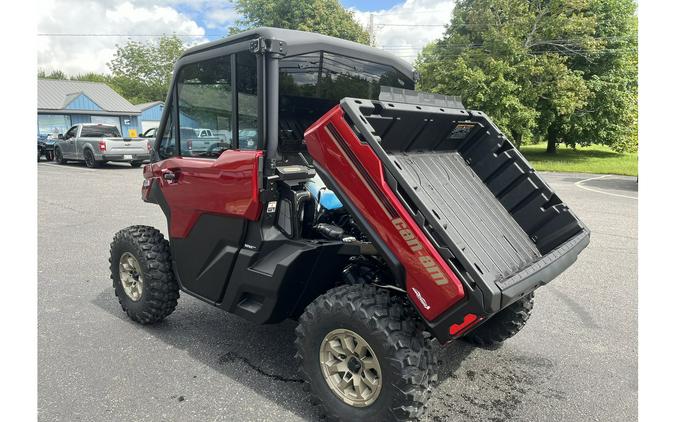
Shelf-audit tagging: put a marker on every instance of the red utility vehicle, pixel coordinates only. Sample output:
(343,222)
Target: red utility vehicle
(378,217)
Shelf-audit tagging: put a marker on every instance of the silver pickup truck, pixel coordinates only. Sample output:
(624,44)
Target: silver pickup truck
(203,142)
(96,143)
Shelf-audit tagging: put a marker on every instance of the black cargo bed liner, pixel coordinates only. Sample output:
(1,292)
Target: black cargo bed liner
(468,212)
(486,210)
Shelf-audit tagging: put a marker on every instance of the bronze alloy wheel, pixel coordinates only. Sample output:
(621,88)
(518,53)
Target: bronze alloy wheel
(350,368)
(141,273)
(131,276)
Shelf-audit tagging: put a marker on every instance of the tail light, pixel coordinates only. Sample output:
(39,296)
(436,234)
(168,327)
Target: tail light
(101,146)
(469,321)
(189,144)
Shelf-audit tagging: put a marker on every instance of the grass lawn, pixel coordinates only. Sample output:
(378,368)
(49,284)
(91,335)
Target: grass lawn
(593,159)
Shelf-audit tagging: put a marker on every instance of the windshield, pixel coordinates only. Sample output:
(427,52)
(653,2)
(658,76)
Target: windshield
(313,83)
(100,131)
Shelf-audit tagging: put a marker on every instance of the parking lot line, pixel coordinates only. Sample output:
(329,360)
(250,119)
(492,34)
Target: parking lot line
(65,167)
(580,183)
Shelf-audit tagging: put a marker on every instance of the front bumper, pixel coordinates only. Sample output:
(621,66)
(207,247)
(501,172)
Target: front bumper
(455,323)
(123,157)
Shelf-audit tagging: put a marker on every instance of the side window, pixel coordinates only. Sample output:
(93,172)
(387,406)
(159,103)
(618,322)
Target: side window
(247,100)
(72,132)
(205,101)
(167,145)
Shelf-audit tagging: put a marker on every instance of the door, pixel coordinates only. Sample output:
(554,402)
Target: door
(107,120)
(67,145)
(149,124)
(210,196)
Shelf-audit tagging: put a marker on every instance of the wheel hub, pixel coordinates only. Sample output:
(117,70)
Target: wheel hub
(354,365)
(350,368)
(131,276)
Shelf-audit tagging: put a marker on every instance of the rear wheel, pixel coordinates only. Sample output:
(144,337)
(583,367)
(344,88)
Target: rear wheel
(136,164)
(363,356)
(140,268)
(90,160)
(59,156)
(503,325)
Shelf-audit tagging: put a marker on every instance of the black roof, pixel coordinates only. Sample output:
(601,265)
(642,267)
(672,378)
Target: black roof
(300,42)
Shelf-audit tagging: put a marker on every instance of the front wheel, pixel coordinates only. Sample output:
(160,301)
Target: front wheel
(363,356)
(140,269)
(58,155)
(49,155)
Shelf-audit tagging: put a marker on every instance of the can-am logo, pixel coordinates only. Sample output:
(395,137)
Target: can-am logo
(418,249)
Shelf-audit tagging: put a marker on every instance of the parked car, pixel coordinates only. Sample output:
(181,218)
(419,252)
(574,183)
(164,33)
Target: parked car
(150,133)
(204,133)
(45,147)
(378,223)
(96,143)
(202,143)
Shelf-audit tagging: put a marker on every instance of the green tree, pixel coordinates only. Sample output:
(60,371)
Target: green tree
(141,71)
(534,66)
(326,17)
(92,77)
(54,74)
(610,115)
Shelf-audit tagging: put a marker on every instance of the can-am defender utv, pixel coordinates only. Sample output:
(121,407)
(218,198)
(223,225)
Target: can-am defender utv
(378,217)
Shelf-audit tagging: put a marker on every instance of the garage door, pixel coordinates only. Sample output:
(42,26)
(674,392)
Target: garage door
(149,124)
(107,120)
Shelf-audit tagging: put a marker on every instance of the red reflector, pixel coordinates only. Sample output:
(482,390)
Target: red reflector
(469,320)
(101,145)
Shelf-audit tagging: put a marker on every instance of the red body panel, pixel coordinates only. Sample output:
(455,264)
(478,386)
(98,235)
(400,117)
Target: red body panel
(227,185)
(430,282)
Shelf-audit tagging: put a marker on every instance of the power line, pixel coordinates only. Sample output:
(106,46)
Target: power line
(409,24)
(128,35)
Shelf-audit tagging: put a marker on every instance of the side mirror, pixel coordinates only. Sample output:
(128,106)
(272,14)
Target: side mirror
(61,136)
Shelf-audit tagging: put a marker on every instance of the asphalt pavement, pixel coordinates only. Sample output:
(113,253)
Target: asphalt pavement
(576,360)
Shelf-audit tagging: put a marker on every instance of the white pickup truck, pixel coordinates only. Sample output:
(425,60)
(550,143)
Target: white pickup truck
(203,142)
(96,143)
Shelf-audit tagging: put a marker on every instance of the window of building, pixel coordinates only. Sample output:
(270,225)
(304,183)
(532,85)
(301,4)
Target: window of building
(204,93)
(53,124)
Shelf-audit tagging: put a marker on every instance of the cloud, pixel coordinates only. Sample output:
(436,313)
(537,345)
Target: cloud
(83,54)
(220,17)
(407,41)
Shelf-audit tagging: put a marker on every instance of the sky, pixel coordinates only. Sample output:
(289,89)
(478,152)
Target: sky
(79,36)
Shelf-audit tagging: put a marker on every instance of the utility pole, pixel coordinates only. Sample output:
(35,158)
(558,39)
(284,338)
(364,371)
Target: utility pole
(371,30)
